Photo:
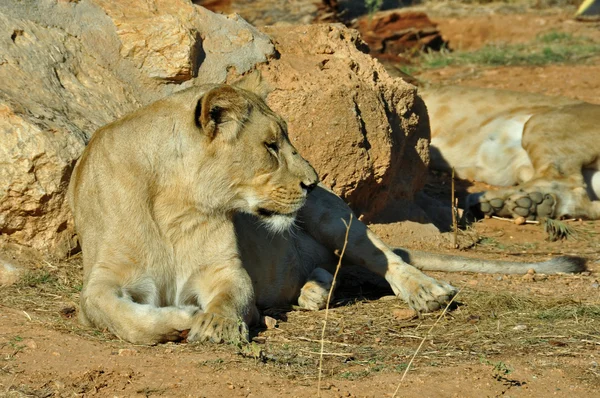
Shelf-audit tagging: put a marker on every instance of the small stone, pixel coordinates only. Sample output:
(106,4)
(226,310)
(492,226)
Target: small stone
(269,322)
(528,277)
(473,282)
(530,271)
(520,220)
(378,339)
(31,344)
(127,352)
(404,314)
(9,273)
(59,385)
(595,285)
(520,327)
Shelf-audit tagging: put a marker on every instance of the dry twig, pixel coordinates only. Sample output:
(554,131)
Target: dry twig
(423,341)
(337,269)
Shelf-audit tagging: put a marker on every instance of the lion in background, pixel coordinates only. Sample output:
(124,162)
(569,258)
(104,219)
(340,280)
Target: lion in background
(196,211)
(545,150)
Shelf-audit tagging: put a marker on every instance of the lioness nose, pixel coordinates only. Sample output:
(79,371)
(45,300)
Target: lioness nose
(309,185)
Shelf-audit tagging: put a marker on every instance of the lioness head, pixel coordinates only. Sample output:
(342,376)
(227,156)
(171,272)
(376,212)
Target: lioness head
(268,176)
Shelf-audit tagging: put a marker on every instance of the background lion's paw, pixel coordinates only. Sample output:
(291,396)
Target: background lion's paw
(513,204)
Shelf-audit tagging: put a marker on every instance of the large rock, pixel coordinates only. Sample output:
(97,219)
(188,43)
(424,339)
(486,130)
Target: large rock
(68,67)
(365,132)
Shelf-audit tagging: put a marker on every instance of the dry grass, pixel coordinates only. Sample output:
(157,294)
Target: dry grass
(363,336)
(488,325)
(329,297)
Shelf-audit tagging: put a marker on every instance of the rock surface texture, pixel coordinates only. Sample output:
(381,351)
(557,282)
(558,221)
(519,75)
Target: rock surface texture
(68,67)
(365,132)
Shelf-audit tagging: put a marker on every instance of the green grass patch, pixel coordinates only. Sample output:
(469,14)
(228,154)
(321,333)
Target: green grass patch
(550,48)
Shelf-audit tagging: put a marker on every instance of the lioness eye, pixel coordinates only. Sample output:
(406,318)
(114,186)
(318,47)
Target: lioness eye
(272,147)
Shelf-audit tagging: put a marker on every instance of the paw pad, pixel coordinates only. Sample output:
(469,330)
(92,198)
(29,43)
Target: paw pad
(531,205)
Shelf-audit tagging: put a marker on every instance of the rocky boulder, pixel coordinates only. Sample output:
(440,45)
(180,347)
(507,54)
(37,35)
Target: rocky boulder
(365,132)
(68,67)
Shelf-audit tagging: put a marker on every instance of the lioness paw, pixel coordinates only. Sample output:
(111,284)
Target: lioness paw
(217,329)
(315,291)
(421,292)
(514,203)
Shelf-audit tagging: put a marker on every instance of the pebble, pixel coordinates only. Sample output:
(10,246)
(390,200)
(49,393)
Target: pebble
(520,220)
(59,385)
(595,285)
(528,277)
(127,352)
(31,344)
(520,327)
(404,314)
(269,322)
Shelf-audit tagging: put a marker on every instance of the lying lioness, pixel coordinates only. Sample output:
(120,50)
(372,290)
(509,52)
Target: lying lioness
(549,147)
(194,212)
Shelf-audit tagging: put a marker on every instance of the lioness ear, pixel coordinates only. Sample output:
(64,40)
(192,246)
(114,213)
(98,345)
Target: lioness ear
(222,110)
(254,83)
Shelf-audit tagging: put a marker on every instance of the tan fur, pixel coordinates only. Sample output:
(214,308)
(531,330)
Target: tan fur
(549,147)
(183,211)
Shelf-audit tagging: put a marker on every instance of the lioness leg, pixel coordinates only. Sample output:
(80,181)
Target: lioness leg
(227,298)
(131,311)
(323,217)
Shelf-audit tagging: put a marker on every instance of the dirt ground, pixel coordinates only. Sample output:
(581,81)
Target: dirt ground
(519,336)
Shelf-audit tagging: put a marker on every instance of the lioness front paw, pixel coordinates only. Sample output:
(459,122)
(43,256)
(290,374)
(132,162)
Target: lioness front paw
(315,291)
(421,292)
(217,329)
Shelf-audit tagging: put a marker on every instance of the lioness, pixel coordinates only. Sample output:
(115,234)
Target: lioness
(548,146)
(194,211)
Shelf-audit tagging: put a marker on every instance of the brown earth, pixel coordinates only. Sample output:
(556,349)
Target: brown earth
(519,336)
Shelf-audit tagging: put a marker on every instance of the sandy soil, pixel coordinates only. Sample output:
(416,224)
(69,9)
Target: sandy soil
(519,336)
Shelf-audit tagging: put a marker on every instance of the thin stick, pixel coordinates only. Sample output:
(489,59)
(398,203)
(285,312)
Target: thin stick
(423,341)
(335,354)
(337,268)
(319,341)
(513,220)
(454,221)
